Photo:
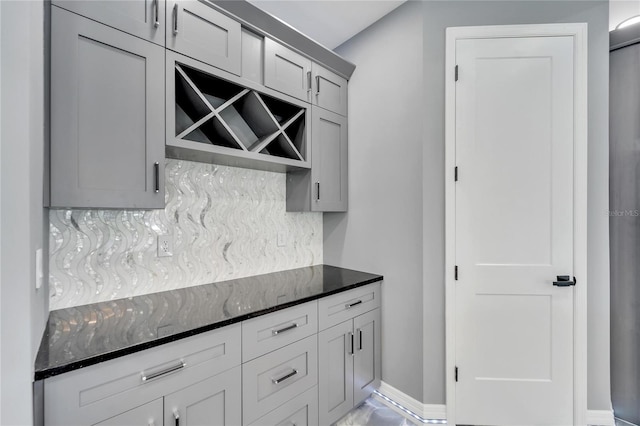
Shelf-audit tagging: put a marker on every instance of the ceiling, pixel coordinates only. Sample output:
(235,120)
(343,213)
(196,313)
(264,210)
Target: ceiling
(329,22)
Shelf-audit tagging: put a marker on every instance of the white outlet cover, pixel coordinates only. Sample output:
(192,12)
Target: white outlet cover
(165,245)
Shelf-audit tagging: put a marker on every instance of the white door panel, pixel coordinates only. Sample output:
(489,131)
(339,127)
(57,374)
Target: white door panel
(514,231)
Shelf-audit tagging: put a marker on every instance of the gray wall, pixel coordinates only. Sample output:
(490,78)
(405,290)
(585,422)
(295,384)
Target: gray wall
(380,231)
(22,219)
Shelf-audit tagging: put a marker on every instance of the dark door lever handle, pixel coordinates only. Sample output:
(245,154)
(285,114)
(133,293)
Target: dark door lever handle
(564,281)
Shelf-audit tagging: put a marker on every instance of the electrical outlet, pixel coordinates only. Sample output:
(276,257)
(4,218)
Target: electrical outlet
(165,245)
(166,330)
(282,239)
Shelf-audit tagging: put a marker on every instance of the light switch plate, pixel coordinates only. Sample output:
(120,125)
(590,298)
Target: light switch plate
(282,239)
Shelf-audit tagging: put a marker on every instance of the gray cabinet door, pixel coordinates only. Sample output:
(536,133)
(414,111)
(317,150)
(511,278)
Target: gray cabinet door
(330,90)
(197,30)
(107,113)
(367,365)
(286,71)
(328,161)
(149,414)
(335,372)
(142,18)
(214,401)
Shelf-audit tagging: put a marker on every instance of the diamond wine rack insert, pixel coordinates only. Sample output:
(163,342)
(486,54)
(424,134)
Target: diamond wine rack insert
(228,117)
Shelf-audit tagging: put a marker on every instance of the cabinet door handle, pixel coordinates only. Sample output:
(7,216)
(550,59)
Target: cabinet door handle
(351,305)
(317,191)
(350,337)
(175,19)
(285,377)
(308,81)
(359,339)
(176,416)
(156,8)
(146,378)
(156,172)
(287,328)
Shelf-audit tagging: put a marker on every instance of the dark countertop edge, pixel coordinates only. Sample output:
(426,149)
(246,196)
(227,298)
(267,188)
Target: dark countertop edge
(54,371)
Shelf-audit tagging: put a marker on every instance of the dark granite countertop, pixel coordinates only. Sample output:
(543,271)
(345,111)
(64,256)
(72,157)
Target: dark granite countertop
(85,335)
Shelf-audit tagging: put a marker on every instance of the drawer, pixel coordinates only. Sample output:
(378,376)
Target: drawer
(300,411)
(89,395)
(349,304)
(274,331)
(277,377)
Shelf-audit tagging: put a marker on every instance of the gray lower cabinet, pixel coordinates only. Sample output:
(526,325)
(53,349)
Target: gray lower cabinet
(194,377)
(349,365)
(291,374)
(107,114)
(349,350)
(325,187)
(335,365)
(149,414)
(199,31)
(141,18)
(300,411)
(214,401)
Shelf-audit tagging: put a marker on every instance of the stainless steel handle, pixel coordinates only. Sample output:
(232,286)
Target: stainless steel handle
(350,337)
(308,81)
(317,85)
(156,20)
(317,191)
(175,19)
(176,416)
(287,328)
(351,305)
(156,171)
(146,378)
(359,339)
(285,377)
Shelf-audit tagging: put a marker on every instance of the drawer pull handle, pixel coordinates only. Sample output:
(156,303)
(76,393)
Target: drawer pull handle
(176,367)
(351,305)
(287,328)
(156,19)
(156,173)
(285,377)
(175,19)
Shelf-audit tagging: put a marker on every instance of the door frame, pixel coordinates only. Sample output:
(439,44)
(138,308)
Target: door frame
(579,33)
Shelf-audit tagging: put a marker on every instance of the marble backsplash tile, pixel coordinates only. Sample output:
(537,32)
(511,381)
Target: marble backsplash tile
(224,223)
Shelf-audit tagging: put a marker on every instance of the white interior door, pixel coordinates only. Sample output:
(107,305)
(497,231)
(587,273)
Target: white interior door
(514,142)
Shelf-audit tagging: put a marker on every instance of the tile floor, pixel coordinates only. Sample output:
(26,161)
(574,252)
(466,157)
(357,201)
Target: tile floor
(373,413)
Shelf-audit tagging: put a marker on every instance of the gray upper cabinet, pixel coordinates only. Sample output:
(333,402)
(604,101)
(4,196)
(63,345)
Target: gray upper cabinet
(330,90)
(324,188)
(287,71)
(214,401)
(141,18)
(199,31)
(107,114)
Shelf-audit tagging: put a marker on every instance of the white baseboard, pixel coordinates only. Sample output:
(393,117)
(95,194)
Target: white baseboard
(425,411)
(600,418)
(439,411)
